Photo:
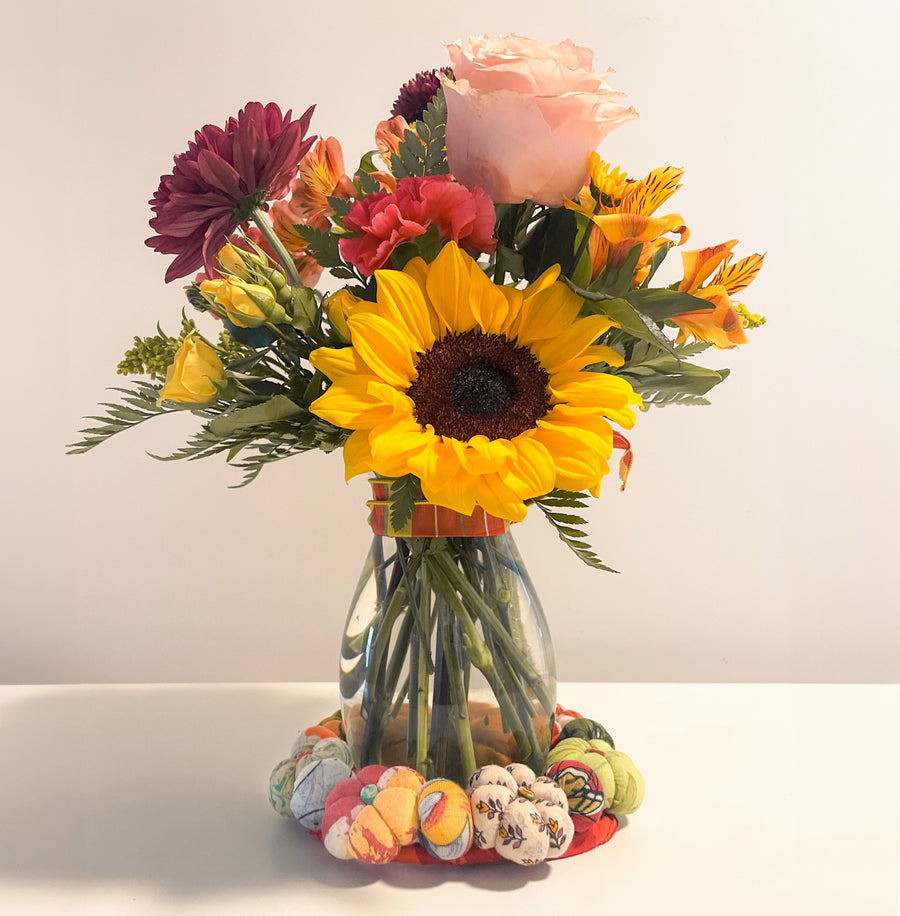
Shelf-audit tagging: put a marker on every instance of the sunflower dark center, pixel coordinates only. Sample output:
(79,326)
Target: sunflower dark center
(476,384)
(481,390)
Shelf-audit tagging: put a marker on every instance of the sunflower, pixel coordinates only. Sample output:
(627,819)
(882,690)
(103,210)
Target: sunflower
(478,390)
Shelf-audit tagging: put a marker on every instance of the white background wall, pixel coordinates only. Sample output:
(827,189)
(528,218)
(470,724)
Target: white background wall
(757,538)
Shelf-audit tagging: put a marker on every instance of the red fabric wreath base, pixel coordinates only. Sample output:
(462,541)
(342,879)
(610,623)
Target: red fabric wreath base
(602,832)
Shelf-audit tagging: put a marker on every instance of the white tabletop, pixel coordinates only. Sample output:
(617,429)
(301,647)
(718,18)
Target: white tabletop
(773,799)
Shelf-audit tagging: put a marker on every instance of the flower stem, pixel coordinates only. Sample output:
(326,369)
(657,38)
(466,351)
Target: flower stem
(459,702)
(488,617)
(284,256)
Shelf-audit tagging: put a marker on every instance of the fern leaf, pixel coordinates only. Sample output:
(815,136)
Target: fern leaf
(423,149)
(403,493)
(569,527)
(142,398)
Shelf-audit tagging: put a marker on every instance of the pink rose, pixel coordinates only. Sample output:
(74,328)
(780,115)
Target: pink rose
(386,220)
(523,117)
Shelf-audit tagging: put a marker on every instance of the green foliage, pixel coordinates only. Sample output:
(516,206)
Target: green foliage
(551,242)
(663,378)
(423,149)
(234,353)
(152,355)
(403,494)
(569,526)
(260,444)
(137,405)
(279,407)
(322,245)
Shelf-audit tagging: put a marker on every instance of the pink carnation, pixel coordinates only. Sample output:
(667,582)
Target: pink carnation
(386,220)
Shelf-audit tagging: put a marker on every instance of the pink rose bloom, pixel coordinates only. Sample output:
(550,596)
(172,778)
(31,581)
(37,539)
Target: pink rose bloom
(523,117)
(386,220)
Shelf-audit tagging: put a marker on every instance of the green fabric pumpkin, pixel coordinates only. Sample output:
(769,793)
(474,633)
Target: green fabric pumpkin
(622,782)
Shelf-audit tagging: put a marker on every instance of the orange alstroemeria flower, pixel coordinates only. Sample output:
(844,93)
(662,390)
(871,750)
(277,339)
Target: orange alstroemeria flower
(321,175)
(622,209)
(721,324)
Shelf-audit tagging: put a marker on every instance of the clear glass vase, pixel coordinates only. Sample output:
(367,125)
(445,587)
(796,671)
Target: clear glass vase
(446,659)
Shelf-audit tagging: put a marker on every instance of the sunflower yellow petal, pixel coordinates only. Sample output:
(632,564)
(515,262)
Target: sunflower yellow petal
(360,402)
(564,416)
(597,392)
(497,499)
(574,340)
(388,349)
(444,482)
(461,294)
(393,443)
(481,455)
(402,302)
(417,270)
(547,313)
(578,455)
(591,356)
(357,454)
(336,363)
(532,473)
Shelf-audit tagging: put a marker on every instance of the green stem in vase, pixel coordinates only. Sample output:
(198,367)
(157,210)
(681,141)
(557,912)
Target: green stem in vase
(376,702)
(488,617)
(420,668)
(481,657)
(459,701)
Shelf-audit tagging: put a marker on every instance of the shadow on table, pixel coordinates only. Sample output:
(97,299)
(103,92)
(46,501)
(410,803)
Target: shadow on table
(166,787)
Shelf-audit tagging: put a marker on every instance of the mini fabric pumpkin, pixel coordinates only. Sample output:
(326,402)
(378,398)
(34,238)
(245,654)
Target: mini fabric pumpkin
(583,790)
(621,780)
(369,816)
(445,819)
(521,816)
(588,729)
(312,746)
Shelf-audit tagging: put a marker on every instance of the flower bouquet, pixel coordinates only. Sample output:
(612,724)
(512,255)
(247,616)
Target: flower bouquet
(493,324)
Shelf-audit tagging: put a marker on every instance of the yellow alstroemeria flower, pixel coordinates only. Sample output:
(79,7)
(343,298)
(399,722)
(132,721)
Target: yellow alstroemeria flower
(479,390)
(624,215)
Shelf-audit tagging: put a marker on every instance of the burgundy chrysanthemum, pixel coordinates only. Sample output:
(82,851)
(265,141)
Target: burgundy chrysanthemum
(220,179)
(417,93)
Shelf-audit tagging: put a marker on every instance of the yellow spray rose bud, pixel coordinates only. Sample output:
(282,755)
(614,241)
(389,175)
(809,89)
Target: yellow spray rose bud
(232,261)
(248,305)
(189,379)
(251,267)
(338,307)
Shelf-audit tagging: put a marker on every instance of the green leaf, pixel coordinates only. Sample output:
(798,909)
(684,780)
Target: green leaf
(681,385)
(617,281)
(632,321)
(322,245)
(568,526)
(660,304)
(403,494)
(119,417)
(280,407)
(304,308)
(423,149)
(340,206)
(551,242)
(367,184)
(658,257)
